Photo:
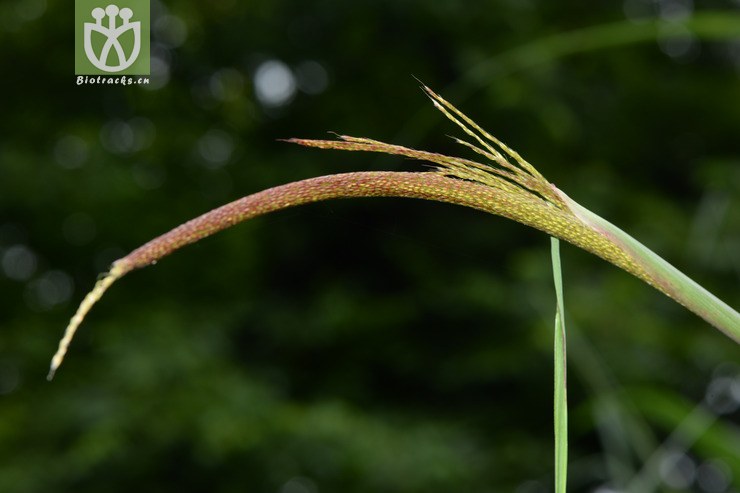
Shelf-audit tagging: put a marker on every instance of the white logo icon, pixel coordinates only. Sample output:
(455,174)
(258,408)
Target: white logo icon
(112,33)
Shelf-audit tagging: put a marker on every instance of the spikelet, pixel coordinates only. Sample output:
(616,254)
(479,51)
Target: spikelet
(507,186)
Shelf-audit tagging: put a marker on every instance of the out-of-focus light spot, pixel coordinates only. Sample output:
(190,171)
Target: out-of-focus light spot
(727,369)
(125,137)
(70,152)
(714,476)
(723,394)
(171,30)
(79,229)
(669,10)
(202,94)
(117,137)
(19,263)
(311,77)
(677,41)
(159,67)
(226,84)
(674,39)
(148,176)
(158,9)
(677,470)
(274,83)
(10,377)
(733,51)
(299,485)
(675,10)
(29,10)
(51,289)
(606,489)
(144,132)
(215,147)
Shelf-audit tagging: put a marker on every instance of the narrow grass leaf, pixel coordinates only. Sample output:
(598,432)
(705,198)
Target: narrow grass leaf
(560,403)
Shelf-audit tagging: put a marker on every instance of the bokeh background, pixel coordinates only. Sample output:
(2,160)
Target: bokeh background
(375,344)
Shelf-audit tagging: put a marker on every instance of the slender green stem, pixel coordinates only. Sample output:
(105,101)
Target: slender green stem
(560,404)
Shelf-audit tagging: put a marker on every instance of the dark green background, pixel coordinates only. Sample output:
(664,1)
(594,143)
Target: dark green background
(380,345)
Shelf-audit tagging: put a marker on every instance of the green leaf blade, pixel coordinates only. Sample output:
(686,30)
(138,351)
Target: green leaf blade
(560,404)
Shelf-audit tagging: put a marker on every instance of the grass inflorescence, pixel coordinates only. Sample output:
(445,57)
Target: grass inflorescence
(507,185)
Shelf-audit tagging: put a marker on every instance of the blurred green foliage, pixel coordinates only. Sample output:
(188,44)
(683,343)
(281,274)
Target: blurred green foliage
(367,345)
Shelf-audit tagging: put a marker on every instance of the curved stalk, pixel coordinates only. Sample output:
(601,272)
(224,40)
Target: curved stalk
(508,187)
(430,186)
